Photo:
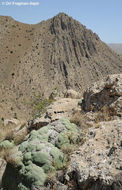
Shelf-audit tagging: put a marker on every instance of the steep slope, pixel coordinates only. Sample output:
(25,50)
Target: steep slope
(57,53)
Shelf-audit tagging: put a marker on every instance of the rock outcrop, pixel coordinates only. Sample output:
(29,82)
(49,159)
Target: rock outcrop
(97,164)
(62,108)
(107,92)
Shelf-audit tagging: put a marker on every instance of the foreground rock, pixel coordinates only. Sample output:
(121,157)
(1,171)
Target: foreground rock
(39,155)
(107,92)
(62,108)
(98,163)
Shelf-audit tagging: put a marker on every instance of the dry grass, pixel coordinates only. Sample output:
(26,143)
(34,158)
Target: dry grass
(87,120)
(105,114)
(6,133)
(8,156)
(81,120)
(9,133)
(20,136)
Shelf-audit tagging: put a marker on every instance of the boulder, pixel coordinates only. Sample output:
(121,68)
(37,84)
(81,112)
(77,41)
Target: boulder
(62,108)
(14,125)
(97,164)
(12,121)
(107,92)
(37,123)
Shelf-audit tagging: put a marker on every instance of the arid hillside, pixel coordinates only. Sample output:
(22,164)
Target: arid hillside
(59,53)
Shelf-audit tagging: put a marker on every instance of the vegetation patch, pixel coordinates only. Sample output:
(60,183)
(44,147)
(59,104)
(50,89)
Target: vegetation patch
(40,104)
(42,153)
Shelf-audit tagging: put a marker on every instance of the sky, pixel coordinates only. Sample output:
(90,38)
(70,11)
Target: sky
(103,17)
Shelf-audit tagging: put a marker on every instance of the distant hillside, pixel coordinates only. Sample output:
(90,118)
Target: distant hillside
(116,47)
(58,53)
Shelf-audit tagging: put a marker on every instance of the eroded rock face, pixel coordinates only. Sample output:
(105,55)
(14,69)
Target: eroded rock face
(98,163)
(40,154)
(106,92)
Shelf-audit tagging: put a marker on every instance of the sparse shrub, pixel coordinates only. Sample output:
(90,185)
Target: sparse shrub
(68,149)
(80,120)
(40,104)
(6,133)
(105,114)
(12,108)
(11,52)
(84,120)
(13,74)
(28,30)
(15,115)
(14,26)
(1,122)
(54,93)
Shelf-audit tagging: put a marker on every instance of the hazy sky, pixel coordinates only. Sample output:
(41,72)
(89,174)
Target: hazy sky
(103,17)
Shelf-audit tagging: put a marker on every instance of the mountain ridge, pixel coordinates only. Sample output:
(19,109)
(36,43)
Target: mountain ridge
(58,53)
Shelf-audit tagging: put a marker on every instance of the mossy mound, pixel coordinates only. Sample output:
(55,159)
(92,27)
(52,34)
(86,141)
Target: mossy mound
(6,144)
(42,153)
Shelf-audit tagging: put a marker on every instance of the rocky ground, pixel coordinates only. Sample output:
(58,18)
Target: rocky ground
(51,152)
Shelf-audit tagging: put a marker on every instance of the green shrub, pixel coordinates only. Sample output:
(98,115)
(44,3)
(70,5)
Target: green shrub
(40,104)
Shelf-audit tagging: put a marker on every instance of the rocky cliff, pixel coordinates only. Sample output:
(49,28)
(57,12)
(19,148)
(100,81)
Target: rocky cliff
(58,53)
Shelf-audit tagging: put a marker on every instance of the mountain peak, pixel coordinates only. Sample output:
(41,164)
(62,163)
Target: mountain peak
(62,14)
(64,23)
(62,17)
